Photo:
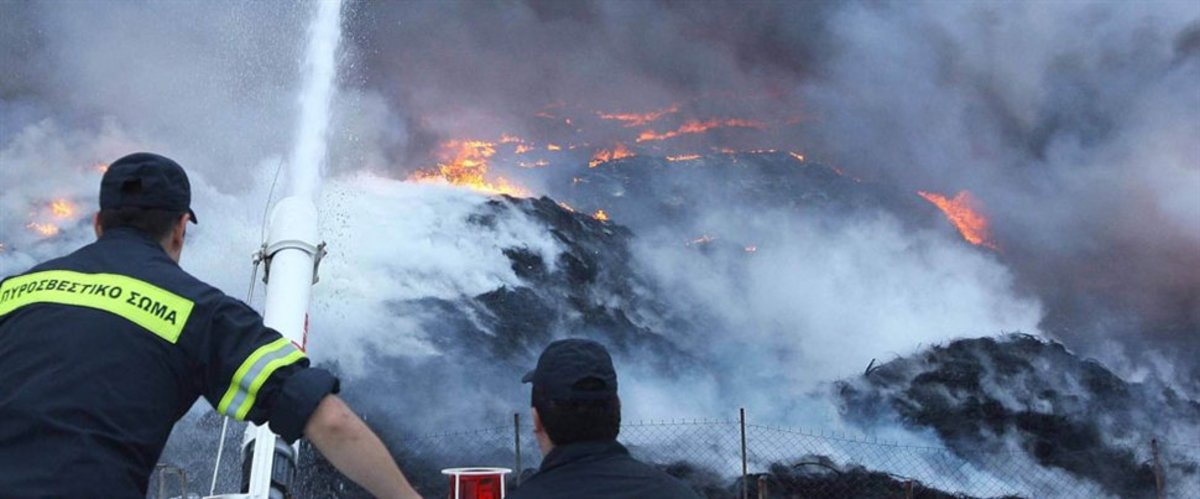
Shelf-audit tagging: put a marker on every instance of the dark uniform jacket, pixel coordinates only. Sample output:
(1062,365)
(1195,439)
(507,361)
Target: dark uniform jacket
(600,470)
(103,350)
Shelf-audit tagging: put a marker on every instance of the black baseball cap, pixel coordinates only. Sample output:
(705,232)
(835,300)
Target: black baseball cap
(574,369)
(146,180)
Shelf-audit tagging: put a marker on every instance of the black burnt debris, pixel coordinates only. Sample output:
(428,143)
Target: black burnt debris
(591,289)
(984,396)
(818,476)
(810,477)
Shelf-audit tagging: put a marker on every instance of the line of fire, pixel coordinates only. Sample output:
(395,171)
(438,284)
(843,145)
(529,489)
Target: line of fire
(470,163)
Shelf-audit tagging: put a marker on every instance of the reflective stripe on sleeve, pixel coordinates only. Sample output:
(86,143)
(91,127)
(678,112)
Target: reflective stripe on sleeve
(253,373)
(155,309)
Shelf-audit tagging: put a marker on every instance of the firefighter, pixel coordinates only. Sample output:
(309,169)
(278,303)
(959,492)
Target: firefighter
(103,350)
(576,420)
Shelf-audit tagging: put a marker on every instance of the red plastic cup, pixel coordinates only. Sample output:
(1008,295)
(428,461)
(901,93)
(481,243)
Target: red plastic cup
(476,483)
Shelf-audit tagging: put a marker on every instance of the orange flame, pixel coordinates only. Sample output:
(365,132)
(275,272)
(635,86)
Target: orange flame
(600,215)
(632,119)
(604,155)
(510,139)
(465,163)
(696,126)
(522,148)
(101,167)
(45,230)
(553,147)
(61,209)
(683,157)
(567,207)
(962,211)
(799,157)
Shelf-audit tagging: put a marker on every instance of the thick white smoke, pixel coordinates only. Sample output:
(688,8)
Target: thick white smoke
(1069,120)
(392,242)
(816,301)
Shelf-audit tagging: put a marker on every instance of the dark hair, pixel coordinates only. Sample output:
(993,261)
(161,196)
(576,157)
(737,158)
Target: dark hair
(569,421)
(153,222)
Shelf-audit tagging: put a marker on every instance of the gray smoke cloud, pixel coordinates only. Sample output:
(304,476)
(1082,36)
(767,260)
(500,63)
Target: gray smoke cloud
(1069,121)
(1074,124)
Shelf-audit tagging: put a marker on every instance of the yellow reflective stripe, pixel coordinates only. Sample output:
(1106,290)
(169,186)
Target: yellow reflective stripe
(262,378)
(254,371)
(157,310)
(235,384)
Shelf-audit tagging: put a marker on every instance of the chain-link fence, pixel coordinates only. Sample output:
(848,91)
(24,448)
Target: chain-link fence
(735,459)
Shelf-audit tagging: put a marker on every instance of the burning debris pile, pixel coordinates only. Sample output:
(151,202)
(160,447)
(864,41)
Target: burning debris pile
(675,188)
(1023,394)
(591,287)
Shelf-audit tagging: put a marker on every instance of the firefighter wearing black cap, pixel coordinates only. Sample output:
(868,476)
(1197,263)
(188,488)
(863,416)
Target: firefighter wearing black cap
(576,419)
(103,350)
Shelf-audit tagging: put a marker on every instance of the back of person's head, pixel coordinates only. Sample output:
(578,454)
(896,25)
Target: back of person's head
(145,192)
(575,392)
(574,420)
(155,223)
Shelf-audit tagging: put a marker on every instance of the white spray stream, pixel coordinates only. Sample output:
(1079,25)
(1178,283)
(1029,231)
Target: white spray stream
(320,74)
(293,249)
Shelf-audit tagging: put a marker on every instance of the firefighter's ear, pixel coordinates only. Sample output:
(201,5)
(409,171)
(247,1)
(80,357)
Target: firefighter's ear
(96,225)
(180,231)
(174,245)
(539,433)
(537,421)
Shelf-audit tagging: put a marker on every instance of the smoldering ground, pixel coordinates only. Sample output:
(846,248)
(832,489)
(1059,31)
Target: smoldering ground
(1069,122)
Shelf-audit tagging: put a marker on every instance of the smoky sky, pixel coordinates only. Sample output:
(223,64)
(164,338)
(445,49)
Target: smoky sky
(476,68)
(1076,125)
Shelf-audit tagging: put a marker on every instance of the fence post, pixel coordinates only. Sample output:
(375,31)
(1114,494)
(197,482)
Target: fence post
(908,489)
(517,446)
(742,424)
(1159,486)
(762,486)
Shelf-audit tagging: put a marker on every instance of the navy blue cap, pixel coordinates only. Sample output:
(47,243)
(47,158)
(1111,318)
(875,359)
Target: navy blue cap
(146,180)
(574,369)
